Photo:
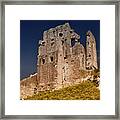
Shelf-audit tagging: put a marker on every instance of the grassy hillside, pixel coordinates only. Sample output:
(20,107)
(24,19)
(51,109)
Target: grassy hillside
(83,91)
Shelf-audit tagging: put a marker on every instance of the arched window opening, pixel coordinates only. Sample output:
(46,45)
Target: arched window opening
(51,58)
(43,61)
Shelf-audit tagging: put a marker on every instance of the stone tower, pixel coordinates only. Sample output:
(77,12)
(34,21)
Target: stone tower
(58,61)
(91,54)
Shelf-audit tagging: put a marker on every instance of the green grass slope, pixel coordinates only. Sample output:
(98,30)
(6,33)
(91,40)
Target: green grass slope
(83,91)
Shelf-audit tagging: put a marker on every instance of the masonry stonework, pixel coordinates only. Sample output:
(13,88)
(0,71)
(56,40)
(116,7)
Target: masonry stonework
(61,57)
(28,86)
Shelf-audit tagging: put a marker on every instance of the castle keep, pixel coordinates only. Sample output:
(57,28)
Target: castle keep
(61,58)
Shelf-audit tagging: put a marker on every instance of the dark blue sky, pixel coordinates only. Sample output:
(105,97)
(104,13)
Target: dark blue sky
(31,31)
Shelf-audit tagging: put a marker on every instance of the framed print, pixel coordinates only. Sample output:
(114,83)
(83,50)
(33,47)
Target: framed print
(60,59)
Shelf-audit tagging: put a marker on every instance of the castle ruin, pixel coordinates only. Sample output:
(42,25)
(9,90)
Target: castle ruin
(61,57)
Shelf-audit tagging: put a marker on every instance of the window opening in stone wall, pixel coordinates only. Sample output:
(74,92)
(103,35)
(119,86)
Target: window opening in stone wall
(43,43)
(62,42)
(52,43)
(52,39)
(89,55)
(43,61)
(87,68)
(51,58)
(88,63)
(72,41)
(82,60)
(65,57)
(60,34)
(65,54)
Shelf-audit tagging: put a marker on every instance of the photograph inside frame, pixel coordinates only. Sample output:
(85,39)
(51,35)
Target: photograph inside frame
(59,59)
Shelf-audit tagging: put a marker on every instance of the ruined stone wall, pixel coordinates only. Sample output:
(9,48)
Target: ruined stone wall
(48,71)
(82,58)
(56,43)
(28,86)
(91,54)
(47,60)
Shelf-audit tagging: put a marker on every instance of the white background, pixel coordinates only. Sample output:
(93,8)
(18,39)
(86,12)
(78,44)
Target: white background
(104,13)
